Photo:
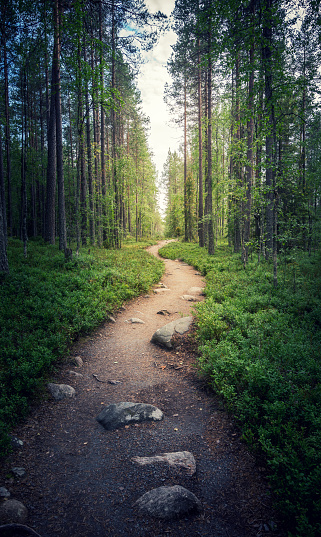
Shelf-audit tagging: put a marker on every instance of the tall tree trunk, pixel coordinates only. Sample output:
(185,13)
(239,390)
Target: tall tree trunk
(249,156)
(89,164)
(7,127)
(4,265)
(23,226)
(50,214)
(269,139)
(200,151)
(102,124)
(185,165)
(209,149)
(236,161)
(60,170)
(113,128)
(81,142)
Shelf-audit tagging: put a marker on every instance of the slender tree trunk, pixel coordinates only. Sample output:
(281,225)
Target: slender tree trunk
(24,236)
(4,265)
(50,214)
(236,161)
(249,156)
(200,153)
(114,127)
(7,133)
(209,150)
(60,170)
(102,124)
(89,164)
(81,142)
(185,166)
(267,62)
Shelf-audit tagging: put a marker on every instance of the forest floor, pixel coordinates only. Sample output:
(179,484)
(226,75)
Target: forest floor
(80,479)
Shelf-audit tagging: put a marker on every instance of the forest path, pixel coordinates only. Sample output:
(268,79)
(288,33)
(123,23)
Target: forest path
(80,480)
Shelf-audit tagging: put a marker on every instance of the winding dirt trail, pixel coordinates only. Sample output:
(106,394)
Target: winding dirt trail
(80,480)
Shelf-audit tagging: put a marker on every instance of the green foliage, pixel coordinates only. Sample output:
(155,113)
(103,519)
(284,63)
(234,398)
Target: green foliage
(260,349)
(48,302)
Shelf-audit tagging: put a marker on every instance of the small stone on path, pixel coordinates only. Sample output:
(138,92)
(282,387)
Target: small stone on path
(61,391)
(168,503)
(179,459)
(4,493)
(12,511)
(118,415)
(78,361)
(16,443)
(161,290)
(196,291)
(75,374)
(134,320)
(18,472)
(163,336)
(190,298)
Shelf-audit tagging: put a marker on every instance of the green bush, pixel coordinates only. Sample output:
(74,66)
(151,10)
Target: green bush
(48,302)
(260,349)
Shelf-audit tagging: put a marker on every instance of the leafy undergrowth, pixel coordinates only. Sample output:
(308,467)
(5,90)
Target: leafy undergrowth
(46,303)
(260,348)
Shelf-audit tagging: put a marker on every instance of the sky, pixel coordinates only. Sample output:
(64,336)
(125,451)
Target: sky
(151,81)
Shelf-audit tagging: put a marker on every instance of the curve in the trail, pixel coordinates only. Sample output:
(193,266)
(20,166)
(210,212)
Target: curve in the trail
(82,480)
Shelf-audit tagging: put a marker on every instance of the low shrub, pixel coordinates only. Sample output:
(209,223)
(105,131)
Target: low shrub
(260,349)
(46,303)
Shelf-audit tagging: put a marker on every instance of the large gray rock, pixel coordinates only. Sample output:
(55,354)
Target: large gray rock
(163,336)
(13,511)
(61,391)
(168,503)
(179,460)
(118,415)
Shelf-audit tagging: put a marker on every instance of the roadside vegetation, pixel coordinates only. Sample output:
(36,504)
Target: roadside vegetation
(260,349)
(48,302)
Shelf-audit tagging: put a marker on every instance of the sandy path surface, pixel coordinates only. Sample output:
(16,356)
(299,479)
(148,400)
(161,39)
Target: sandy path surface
(80,480)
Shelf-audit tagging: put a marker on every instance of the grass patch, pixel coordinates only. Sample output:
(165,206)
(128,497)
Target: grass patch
(260,348)
(46,303)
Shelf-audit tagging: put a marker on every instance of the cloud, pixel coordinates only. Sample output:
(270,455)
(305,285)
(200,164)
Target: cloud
(151,82)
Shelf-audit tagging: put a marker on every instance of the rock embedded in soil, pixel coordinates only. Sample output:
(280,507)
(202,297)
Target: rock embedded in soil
(196,291)
(13,511)
(179,460)
(168,503)
(18,472)
(190,298)
(16,443)
(78,361)
(61,391)
(118,415)
(4,493)
(163,336)
(75,374)
(134,320)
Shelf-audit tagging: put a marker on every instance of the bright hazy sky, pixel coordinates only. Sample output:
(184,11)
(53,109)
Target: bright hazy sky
(151,81)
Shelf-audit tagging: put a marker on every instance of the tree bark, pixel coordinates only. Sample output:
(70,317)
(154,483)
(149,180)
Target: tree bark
(267,62)
(249,156)
(4,265)
(209,215)
(50,216)
(200,153)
